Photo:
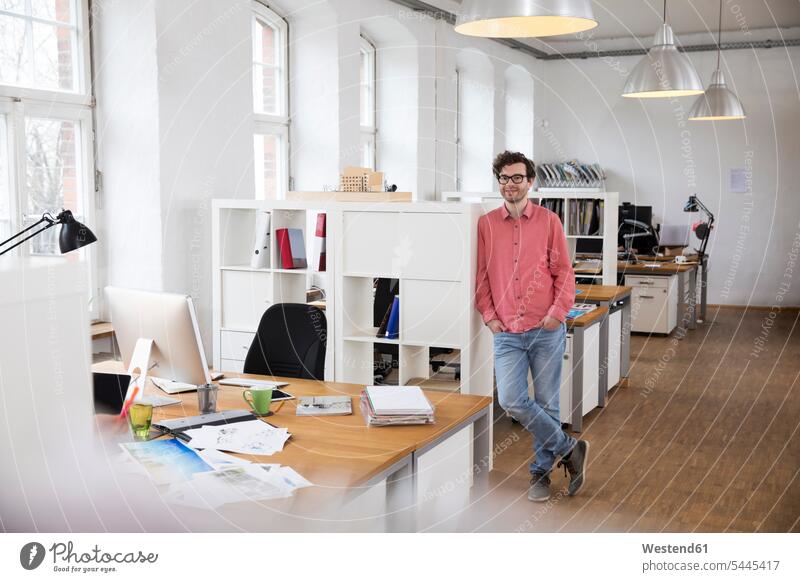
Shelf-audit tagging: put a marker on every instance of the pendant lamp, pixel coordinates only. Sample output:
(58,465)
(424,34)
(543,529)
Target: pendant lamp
(718,103)
(524,18)
(664,72)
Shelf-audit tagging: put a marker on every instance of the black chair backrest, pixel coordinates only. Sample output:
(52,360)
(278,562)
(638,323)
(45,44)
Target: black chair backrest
(290,341)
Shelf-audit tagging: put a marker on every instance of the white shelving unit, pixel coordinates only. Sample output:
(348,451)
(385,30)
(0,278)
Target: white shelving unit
(610,202)
(430,247)
(491,200)
(242,294)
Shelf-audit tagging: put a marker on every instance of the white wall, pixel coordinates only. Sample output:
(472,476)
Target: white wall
(128,150)
(174,95)
(175,118)
(654,156)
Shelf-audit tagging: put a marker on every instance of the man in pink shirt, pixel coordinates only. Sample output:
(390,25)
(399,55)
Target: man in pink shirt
(525,287)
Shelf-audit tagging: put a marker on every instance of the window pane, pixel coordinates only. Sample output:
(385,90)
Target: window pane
(266,47)
(15,52)
(5,189)
(51,148)
(267,158)
(60,10)
(52,47)
(365,117)
(368,150)
(13,6)
(265,85)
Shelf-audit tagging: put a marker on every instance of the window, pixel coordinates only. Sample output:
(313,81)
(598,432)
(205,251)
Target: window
(39,44)
(368,108)
(46,130)
(270,103)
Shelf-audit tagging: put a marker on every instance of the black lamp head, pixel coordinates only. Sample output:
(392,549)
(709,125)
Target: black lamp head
(691,205)
(74,234)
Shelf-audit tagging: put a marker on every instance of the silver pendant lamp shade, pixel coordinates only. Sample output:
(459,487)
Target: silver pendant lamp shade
(719,103)
(664,72)
(524,18)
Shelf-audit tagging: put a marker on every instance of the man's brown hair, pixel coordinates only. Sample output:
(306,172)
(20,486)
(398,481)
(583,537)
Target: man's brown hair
(507,158)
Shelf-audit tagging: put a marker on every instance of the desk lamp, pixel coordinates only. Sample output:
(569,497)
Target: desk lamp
(702,229)
(643,229)
(74,234)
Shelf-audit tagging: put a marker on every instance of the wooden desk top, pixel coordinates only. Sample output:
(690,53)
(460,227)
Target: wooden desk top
(587,319)
(101,329)
(602,292)
(624,268)
(334,451)
(666,258)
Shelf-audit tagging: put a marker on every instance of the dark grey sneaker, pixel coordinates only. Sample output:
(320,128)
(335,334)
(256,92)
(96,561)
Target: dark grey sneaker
(540,487)
(575,462)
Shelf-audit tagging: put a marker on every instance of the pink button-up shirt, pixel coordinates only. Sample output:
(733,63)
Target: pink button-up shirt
(524,268)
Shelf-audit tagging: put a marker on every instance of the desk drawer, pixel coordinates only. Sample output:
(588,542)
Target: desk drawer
(645,281)
(232,366)
(235,344)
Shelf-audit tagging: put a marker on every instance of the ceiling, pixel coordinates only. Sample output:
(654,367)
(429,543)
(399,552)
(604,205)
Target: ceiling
(628,23)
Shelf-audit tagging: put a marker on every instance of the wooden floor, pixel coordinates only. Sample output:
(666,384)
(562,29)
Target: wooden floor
(704,438)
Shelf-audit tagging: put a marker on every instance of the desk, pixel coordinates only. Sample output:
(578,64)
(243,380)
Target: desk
(685,308)
(608,296)
(580,385)
(342,452)
(101,329)
(703,266)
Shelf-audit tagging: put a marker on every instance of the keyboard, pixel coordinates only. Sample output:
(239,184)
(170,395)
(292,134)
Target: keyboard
(171,387)
(248,383)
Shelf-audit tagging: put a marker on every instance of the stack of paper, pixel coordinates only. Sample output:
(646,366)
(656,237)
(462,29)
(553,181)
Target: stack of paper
(580,309)
(388,405)
(252,437)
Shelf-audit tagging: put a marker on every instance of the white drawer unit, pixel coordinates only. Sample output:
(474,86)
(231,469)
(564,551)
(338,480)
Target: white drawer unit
(234,345)
(246,295)
(234,366)
(582,374)
(654,303)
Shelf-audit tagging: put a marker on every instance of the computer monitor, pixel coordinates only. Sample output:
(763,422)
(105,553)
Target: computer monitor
(170,321)
(640,213)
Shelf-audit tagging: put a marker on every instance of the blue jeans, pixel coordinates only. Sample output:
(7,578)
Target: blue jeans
(543,352)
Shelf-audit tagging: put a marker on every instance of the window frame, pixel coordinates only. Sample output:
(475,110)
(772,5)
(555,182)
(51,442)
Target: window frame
(268,123)
(369,131)
(17,103)
(81,62)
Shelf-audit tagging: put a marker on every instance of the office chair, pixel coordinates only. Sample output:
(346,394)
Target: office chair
(290,341)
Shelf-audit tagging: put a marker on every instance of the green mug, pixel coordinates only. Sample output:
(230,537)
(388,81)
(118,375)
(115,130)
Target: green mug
(261,399)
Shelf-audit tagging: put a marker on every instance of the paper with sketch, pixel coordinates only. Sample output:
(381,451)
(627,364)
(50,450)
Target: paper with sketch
(236,484)
(251,437)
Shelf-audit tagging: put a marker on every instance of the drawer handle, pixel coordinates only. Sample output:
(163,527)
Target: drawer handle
(646,297)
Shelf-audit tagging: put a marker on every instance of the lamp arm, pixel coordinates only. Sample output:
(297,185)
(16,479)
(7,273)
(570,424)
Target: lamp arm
(45,218)
(704,209)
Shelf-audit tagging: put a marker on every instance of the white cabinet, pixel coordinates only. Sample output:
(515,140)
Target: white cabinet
(654,303)
(430,247)
(242,294)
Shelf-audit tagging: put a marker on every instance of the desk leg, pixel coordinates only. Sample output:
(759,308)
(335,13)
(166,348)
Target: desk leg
(703,288)
(693,298)
(401,498)
(577,379)
(683,306)
(481,451)
(603,387)
(625,342)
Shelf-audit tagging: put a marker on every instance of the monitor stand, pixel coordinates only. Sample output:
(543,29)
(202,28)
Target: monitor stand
(137,370)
